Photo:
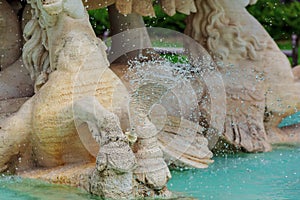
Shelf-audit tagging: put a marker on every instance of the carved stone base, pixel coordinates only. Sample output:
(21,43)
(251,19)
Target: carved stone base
(76,175)
(84,176)
(111,184)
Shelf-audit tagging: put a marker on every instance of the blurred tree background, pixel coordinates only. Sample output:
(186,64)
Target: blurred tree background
(176,22)
(280,18)
(100,22)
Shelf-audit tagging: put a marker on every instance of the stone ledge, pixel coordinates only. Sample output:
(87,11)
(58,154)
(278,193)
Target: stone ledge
(76,175)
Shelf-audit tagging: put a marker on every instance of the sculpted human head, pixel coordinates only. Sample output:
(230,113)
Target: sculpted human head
(73,8)
(212,27)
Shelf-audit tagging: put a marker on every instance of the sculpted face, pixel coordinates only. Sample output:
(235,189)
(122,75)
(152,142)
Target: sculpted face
(52,7)
(73,8)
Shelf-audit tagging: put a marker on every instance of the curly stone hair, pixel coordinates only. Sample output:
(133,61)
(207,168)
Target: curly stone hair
(35,51)
(213,29)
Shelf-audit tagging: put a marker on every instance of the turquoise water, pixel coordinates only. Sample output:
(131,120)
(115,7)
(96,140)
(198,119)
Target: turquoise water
(290,120)
(266,176)
(15,188)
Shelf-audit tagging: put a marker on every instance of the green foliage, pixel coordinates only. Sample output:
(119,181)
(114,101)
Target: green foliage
(173,58)
(287,45)
(280,20)
(175,22)
(99,20)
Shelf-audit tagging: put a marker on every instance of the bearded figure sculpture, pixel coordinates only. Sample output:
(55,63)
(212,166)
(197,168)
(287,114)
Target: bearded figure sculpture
(251,64)
(78,114)
(65,59)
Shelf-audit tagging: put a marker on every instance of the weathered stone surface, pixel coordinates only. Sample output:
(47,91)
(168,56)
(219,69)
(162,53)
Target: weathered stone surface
(74,87)
(26,17)
(180,138)
(182,147)
(76,175)
(10,106)
(112,184)
(10,35)
(285,135)
(251,64)
(144,7)
(296,73)
(185,6)
(50,132)
(15,82)
(96,4)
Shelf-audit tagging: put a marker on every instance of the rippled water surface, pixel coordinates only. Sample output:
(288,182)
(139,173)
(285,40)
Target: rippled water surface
(274,175)
(265,176)
(14,188)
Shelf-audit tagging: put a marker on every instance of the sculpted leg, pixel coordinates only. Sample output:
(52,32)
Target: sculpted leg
(14,136)
(115,161)
(152,169)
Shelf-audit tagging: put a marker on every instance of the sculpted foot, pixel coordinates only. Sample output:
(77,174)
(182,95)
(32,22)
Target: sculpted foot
(115,161)
(151,167)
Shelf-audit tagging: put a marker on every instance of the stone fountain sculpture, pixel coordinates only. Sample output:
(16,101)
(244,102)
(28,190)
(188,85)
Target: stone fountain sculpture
(58,126)
(257,104)
(261,89)
(71,115)
(60,43)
